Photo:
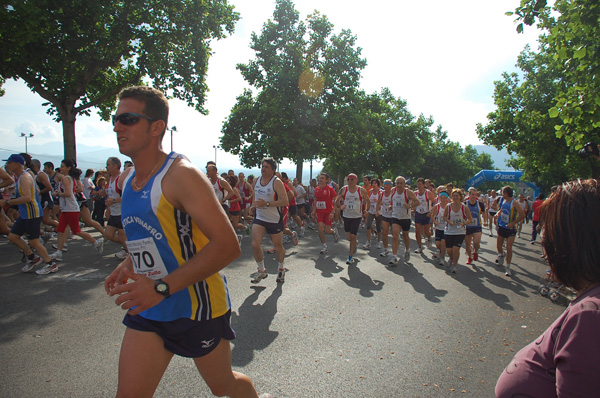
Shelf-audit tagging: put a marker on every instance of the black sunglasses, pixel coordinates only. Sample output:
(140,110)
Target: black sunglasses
(129,118)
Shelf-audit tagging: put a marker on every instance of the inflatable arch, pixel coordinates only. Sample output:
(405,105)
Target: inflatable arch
(500,175)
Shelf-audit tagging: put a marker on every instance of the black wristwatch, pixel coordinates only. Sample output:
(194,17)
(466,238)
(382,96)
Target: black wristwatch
(162,288)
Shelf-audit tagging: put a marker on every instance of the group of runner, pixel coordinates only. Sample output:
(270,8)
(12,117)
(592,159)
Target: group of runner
(446,215)
(61,201)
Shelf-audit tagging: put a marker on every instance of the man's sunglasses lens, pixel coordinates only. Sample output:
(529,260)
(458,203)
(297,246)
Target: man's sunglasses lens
(128,118)
(125,118)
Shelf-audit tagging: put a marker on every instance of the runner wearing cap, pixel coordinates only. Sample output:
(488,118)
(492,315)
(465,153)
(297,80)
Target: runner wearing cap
(30,216)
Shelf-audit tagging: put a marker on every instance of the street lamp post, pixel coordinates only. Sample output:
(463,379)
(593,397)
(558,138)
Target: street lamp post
(216,147)
(26,136)
(172,129)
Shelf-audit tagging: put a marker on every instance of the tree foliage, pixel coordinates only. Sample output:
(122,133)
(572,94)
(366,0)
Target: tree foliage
(79,54)
(571,29)
(523,125)
(380,137)
(301,76)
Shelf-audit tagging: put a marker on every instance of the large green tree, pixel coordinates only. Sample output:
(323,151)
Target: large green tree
(79,54)
(302,75)
(522,123)
(571,32)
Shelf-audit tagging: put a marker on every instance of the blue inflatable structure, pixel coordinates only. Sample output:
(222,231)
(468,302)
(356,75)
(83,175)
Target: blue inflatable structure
(500,175)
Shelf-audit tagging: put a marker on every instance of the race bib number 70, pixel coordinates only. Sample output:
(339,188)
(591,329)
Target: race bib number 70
(146,259)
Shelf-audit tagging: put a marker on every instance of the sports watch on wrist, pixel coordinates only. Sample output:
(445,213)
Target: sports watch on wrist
(162,288)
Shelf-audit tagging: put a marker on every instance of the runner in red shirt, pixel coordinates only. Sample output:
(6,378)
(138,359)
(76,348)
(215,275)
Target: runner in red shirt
(324,197)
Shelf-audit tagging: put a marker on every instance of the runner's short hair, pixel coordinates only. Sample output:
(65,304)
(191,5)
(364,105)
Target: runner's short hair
(156,105)
(116,161)
(508,190)
(270,161)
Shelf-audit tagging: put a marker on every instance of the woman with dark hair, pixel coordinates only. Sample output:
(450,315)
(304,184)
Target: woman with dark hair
(85,214)
(564,360)
(69,211)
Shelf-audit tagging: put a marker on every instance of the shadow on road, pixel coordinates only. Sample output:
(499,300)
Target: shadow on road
(258,319)
(327,265)
(361,281)
(418,282)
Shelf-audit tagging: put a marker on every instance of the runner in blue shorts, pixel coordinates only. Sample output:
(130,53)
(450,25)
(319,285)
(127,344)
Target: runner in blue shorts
(171,283)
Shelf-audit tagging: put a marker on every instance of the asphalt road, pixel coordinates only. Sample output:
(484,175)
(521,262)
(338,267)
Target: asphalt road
(330,330)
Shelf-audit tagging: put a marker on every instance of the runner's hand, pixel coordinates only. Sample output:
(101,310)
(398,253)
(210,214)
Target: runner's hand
(139,293)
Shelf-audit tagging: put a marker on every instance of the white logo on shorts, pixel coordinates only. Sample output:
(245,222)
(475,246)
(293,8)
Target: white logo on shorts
(207,343)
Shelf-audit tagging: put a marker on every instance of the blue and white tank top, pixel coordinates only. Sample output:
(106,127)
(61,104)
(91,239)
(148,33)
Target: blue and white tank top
(267,193)
(475,213)
(160,239)
(508,214)
(32,209)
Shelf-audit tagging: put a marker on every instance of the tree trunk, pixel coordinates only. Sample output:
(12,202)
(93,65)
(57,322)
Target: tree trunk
(299,166)
(68,123)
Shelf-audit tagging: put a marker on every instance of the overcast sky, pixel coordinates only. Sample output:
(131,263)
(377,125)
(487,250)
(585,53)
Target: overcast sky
(441,57)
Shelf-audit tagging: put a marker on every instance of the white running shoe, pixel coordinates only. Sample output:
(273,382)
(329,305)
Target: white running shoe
(380,245)
(441,262)
(240,237)
(57,256)
(419,250)
(258,276)
(507,272)
(302,230)
(281,275)
(295,238)
(406,256)
(351,261)
(385,253)
(454,269)
(99,246)
(336,235)
(49,268)
(323,250)
(121,255)
(367,245)
(500,259)
(393,260)
(65,248)
(31,264)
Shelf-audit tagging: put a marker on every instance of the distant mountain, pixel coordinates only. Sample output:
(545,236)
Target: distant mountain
(500,158)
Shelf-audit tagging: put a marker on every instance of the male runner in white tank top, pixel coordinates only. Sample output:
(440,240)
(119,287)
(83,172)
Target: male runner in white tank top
(354,202)
(269,197)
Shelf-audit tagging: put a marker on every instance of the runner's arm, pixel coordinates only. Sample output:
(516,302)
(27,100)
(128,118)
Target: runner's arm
(7,180)
(43,178)
(227,187)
